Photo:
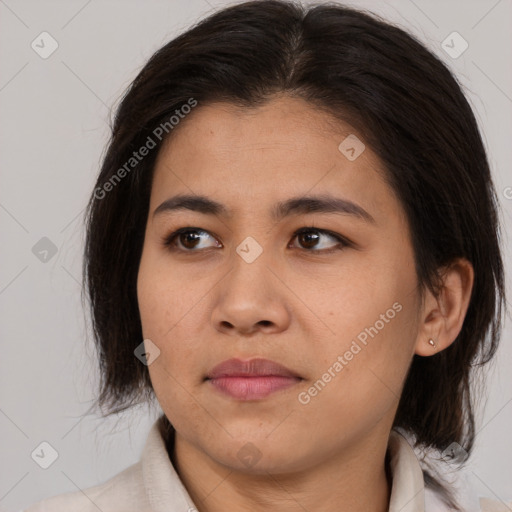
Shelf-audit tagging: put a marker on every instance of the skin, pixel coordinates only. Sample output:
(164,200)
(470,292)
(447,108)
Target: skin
(295,304)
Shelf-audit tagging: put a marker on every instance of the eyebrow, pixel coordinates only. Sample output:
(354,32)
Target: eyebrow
(295,206)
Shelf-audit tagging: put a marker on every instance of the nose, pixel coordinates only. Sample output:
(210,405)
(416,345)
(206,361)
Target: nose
(250,299)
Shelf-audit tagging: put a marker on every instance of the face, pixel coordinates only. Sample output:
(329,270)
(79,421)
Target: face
(335,303)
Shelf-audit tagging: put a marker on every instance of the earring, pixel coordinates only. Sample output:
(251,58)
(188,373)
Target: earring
(432,342)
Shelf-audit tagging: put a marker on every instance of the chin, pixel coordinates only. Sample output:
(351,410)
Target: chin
(257,454)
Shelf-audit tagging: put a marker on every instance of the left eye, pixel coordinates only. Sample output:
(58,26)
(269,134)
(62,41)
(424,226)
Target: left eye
(311,236)
(308,237)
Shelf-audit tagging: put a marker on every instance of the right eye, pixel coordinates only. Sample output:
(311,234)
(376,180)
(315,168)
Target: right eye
(186,239)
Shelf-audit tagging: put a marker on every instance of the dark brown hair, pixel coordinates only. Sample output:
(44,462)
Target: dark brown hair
(410,110)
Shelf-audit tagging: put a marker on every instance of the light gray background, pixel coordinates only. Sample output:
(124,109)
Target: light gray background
(54,124)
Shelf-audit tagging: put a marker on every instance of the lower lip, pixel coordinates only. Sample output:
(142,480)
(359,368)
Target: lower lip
(252,388)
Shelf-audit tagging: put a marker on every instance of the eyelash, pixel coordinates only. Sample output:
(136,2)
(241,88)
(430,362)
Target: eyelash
(169,240)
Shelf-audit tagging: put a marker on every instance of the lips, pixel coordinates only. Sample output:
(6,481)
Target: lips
(253,368)
(251,380)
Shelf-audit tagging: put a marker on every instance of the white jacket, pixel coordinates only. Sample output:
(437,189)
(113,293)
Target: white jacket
(152,485)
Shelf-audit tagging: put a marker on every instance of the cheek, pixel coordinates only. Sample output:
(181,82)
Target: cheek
(169,310)
(366,385)
(371,348)
(163,314)
(161,296)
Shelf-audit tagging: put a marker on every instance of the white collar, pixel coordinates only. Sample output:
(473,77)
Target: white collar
(407,489)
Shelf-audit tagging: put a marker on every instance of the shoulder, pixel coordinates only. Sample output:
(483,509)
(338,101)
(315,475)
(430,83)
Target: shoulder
(490,505)
(123,491)
(460,481)
(152,480)
(433,503)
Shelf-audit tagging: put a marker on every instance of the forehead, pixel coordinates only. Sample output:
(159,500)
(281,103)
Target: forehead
(251,157)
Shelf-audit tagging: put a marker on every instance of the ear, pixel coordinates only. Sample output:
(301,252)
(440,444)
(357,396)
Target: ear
(442,317)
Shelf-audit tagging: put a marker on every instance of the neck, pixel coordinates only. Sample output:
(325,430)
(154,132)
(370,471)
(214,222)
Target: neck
(356,480)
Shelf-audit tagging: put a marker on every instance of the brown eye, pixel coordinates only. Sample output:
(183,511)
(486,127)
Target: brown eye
(189,239)
(310,238)
(186,239)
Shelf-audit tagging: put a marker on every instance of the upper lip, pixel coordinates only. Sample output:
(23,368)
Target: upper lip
(249,368)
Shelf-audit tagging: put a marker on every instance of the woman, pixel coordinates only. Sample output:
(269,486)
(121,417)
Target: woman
(293,244)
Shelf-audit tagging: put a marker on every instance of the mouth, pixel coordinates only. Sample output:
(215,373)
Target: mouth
(251,380)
